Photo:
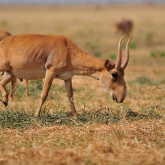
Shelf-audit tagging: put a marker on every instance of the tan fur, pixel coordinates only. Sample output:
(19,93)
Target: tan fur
(34,57)
(4,34)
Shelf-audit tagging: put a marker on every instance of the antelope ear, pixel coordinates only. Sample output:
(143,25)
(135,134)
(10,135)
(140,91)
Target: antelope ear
(106,64)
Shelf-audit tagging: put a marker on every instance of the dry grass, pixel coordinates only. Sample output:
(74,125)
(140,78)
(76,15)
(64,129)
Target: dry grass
(104,132)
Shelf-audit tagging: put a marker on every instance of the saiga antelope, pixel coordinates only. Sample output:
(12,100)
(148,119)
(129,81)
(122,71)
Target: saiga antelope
(4,34)
(34,57)
(124,25)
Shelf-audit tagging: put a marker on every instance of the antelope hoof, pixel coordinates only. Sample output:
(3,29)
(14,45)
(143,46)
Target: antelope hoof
(75,115)
(37,115)
(10,97)
(5,103)
(21,79)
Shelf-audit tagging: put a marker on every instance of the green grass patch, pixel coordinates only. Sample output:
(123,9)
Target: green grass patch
(97,54)
(148,113)
(80,33)
(132,45)
(90,45)
(4,23)
(16,119)
(157,54)
(19,119)
(143,80)
(149,36)
(113,57)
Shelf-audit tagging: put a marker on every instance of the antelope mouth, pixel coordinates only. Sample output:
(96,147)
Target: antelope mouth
(113,97)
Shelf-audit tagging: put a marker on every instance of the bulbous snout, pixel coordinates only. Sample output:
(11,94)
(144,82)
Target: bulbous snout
(118,100)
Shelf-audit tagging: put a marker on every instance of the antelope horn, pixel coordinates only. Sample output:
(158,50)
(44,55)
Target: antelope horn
(126,55)
(119,56)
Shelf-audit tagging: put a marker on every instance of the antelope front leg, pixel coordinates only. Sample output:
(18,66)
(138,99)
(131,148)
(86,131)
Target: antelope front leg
(68,85)
(47,84)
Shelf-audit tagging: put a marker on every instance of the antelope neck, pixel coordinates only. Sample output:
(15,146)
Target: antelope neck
(89,65)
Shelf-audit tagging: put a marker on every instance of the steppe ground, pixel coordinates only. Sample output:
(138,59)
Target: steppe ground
(104,133)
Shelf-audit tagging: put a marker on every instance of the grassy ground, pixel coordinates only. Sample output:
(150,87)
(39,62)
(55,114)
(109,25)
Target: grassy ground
(104,132)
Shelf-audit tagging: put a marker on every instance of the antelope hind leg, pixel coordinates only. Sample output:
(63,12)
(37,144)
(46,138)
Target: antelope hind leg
(68,86)
(13,82)
(27,90)
(5,79)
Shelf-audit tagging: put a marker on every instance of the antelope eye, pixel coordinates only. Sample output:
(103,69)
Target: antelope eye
(114,75)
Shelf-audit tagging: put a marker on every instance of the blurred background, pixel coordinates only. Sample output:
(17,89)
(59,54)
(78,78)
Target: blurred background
(73,2)
(96,26)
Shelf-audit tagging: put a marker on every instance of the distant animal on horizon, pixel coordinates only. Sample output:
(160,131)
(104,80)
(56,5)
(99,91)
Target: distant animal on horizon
(34,56)
(124,25)
(4,34)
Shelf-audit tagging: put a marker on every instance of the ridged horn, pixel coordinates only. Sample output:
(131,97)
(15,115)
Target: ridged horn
(126,60)
(119,55)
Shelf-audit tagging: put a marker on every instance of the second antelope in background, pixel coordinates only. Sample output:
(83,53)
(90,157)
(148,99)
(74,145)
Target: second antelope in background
(124,25)
(33,56)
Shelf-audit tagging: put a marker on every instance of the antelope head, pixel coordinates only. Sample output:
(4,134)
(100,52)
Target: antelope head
(113,75)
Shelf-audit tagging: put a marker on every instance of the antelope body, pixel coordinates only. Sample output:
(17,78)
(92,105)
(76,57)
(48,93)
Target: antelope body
(34,57)
(4,34)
